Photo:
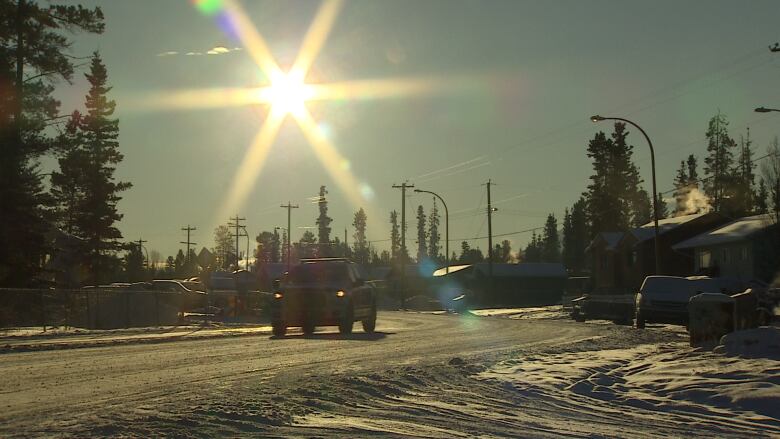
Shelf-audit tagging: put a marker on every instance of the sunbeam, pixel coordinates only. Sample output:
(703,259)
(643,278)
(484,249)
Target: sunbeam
(252,164)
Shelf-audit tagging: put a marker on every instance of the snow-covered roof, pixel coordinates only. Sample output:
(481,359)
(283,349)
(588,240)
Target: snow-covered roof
(736,230)
(647,231)
(527,269)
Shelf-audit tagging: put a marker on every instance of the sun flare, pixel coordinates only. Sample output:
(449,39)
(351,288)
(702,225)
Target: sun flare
(287,94)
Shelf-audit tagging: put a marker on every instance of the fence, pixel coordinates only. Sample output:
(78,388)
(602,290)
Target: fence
(94,308)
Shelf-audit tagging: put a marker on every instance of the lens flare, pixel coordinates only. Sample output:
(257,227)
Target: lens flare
(208,7)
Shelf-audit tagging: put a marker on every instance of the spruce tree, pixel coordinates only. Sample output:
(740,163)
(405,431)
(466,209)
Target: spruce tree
(551,244)
(33,44)
(360,242)
(718,164)
(762,195)
(323,220)
(395,237)
(434,238)
(96,214)
(422,235)
(744,178)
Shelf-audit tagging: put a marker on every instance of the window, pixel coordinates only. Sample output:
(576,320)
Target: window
(705,259)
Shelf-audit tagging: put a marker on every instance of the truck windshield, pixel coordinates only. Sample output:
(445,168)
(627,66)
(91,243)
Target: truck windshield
(317,273)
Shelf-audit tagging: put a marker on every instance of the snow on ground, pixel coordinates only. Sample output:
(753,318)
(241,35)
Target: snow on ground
(669,385)
(622,382)
(543,312)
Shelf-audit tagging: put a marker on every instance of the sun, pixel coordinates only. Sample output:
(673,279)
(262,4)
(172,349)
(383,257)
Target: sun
(287,93)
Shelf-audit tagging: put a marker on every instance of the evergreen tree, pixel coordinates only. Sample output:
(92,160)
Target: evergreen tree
(276,247)
(284,246)
(264,253)
(533,251)
(505,253)
(134,263)
(615,199)
(323,221)
(360,241)
(422,235)
(395,237)
(179,263)
(745,178)
(770,173)
(434,238)
(170,266)
(578,237)
(224,247)
(384,258)
(686,182)
(33,45)
(551,245)
(642,209)
(96,212)
(465,248)
(663,209)
(717,165)
(762,195)
(307,245)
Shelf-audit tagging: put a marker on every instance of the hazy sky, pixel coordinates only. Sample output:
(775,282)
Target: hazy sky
(529,74)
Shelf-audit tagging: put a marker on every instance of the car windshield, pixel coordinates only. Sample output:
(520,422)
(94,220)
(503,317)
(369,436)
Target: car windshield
(319,273)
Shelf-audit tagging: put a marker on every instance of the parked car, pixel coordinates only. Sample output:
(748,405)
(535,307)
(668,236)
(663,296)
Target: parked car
(323,292)
(190,299)
(664,299)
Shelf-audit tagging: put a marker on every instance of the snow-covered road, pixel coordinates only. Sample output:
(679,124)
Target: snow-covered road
(421,375)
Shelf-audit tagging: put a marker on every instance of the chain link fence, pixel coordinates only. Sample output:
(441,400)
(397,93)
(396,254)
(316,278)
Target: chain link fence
(96,308)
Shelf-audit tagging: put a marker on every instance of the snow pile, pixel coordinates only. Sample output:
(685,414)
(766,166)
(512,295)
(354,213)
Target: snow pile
(761,342)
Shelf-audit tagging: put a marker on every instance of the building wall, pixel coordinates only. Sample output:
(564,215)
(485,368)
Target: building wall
(735,260)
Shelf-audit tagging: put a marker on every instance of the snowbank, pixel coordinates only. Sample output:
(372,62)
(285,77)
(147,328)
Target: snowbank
(761,342)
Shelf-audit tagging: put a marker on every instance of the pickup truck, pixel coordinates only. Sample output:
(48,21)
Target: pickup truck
(323,292)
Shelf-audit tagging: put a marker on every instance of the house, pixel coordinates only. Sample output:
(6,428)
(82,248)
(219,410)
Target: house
(606,261)
(746,248)
(525,284)
(621,261)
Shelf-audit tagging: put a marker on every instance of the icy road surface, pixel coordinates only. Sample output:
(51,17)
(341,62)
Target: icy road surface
(421,375)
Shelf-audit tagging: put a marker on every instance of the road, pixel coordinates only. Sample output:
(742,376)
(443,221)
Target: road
(56,392)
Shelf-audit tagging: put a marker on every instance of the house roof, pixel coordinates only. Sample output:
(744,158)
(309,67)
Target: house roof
(612,239)
(527,269)
(734,231)
(647,231)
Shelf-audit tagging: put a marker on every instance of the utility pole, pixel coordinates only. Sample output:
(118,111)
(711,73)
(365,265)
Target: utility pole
(141,248)
(490,211)
(288,206)
(189,243)
(237,225)
(403,186)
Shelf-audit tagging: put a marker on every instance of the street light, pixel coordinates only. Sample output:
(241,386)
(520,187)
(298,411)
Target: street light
(598,118)
(446,228)
(765,110)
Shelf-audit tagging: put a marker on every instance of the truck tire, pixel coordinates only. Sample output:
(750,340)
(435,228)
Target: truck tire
(369,324)
(347,320)
(279,329)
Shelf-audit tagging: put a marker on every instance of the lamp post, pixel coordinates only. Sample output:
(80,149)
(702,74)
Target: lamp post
(598,118)
(446,228)
(765,110)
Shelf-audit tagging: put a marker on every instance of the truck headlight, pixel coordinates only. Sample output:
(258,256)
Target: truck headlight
(278,296)
(340,293)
